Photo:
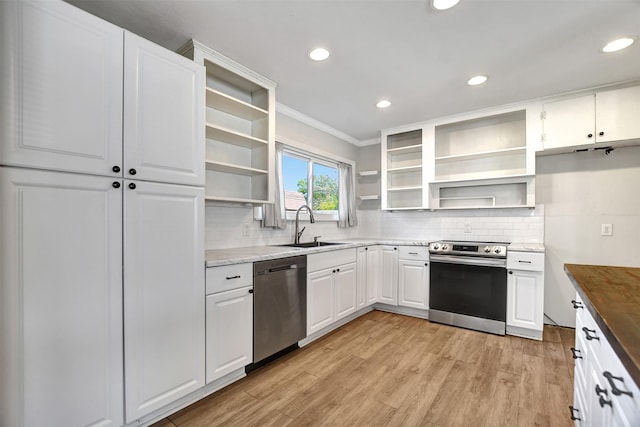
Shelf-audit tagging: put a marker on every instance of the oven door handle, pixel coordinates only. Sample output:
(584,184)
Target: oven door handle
(483,262)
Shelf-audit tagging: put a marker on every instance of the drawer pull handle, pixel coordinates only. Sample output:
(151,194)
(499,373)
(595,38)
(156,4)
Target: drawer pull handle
(576,411)
(233,277)
(413,253)
(574,351)
(576,304)
(602,401)
(524,262)
(588,332)
(615,390)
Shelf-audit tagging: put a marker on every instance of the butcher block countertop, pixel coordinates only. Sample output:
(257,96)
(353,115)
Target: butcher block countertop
(612,296)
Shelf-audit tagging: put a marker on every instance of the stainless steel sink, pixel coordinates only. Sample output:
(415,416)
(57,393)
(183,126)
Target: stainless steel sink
(310,244)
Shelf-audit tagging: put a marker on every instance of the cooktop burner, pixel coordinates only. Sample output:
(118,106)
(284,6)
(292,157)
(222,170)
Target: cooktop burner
(482,249)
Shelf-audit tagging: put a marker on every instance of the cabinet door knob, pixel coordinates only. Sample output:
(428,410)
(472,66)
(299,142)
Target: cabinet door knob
(510,272)
(574,351)
(250,291)
(590,135)
(601,134)
(426,264)
(116,169)
(115,184)
(132,186)
(366,249)
(132,171)
(574,412)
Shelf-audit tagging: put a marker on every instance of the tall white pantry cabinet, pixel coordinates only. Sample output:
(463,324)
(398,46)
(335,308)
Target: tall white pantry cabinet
(101,220)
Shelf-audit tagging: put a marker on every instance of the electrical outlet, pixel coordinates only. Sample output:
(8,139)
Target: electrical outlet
(606,230)
(245,229)
(467,227)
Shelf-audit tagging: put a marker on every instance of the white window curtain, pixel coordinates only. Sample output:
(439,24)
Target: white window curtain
(346,197)
(274,214)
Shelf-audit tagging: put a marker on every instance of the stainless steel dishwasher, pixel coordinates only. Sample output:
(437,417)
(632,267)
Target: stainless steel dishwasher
(279,305)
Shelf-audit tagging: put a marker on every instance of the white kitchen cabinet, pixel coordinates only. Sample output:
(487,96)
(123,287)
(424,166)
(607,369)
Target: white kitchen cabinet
(525,294)
(129,108)
(320,300)
(598,372)
(413,277)
(346,291)
(56,113)
(239,128)
(164,294)
(60,299)
(163,114)
(229,331)
(402,170)
(389,275)
(368,267)
(582,122)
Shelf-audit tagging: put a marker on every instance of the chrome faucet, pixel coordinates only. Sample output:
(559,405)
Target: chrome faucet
(296,239)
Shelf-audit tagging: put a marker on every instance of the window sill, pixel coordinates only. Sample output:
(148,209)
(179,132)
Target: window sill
(319,216)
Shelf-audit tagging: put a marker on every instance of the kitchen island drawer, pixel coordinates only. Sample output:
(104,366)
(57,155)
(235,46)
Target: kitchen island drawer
(531,261)
(227,277)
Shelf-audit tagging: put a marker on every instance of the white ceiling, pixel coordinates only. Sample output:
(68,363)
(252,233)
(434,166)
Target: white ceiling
(402,50)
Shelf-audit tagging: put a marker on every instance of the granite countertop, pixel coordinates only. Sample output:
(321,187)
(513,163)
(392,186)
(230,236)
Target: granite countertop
(612,296)
(217,257)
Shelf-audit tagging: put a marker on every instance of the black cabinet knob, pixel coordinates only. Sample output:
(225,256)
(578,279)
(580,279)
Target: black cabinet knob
(576,304)
(590,135)
(132,171)
(116,169)
(574,412)
(132,186)
(250,291)
(115,184)
(601,134)
(510,272)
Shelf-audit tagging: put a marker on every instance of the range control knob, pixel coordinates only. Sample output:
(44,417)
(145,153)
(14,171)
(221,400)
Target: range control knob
(497,249)
(436,247)
(487,249)
(445,247)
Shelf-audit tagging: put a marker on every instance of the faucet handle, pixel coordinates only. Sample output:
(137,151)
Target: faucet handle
(315,238)
(301,231)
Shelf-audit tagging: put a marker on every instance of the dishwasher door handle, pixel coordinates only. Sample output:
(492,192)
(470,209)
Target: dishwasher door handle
(286,267)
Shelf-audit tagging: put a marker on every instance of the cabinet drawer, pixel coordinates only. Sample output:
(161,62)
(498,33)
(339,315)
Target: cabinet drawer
(414,252)
(227,277)
(323,260)
(532,261)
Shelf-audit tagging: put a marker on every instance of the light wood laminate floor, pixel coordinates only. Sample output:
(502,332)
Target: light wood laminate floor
(384,369)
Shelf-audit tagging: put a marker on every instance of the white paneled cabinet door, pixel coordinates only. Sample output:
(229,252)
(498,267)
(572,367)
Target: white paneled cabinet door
(320,297)
(61,77)
(389,276)
(345,283)
(164,294)
(361,276)
(163,114)
(60,299)
(569,122)
(413,284)
(229,332)
(525,299)
(373,274)
(617,113)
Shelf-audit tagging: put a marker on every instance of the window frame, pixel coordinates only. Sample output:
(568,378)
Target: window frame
(312,159)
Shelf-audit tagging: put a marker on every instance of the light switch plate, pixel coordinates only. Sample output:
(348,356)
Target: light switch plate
(606,230)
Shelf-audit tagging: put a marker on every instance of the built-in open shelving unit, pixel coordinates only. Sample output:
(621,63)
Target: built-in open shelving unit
(239,129)
(402,177)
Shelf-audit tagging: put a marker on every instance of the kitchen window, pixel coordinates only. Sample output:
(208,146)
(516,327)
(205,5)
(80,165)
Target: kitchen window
(312,181)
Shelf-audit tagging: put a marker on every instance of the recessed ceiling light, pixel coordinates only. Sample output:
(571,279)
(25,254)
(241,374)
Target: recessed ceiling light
(477,80)
(619,44)
(443,4)
(383,104)
(319,54)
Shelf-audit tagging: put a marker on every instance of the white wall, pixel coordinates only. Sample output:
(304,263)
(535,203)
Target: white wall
(581,191)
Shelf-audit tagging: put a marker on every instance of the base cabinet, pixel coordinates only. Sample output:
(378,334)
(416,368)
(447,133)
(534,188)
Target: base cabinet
(525,294)
(331,295)
(368,275)
(389,275)
(346,291)
(229,331)
(413,284)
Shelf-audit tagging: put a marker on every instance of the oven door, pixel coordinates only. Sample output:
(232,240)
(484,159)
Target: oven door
(469,286)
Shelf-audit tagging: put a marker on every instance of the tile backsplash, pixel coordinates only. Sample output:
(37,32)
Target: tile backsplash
(234,226)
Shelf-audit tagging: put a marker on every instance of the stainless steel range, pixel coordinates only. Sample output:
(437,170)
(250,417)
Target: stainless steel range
(468,285)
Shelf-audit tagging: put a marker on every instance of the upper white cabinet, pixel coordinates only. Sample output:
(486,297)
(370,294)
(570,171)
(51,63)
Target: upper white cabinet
(60,299)
(474,161)
(164,294)
(581,122)
(240,129)
(163,114)
(57,113)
